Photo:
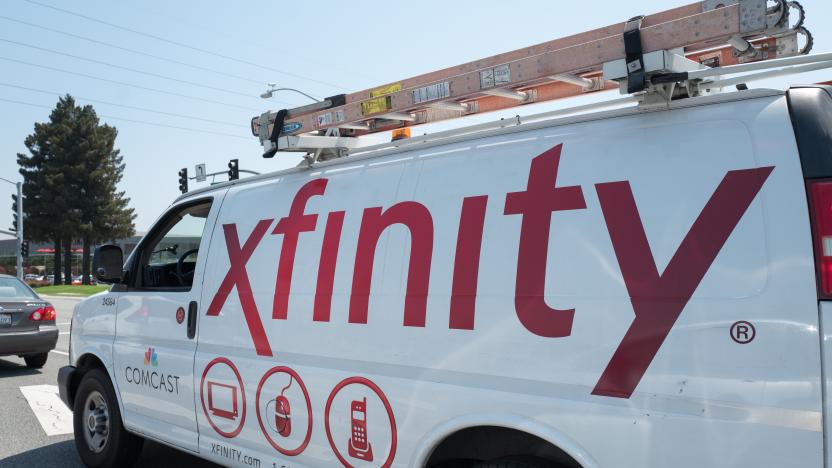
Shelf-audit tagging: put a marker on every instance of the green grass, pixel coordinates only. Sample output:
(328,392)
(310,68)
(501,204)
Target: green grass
(72,290)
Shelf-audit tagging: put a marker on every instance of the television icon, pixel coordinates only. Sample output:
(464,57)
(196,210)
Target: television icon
(222,400)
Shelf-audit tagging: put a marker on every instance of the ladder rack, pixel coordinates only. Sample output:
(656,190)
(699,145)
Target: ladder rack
(709,33)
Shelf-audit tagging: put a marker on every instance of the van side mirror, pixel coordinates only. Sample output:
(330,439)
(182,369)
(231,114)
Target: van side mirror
(108,264)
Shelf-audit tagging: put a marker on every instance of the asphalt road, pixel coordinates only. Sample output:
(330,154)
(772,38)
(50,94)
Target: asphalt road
(23,442)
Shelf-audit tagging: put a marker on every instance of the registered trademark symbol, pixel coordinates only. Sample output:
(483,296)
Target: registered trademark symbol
(743,332)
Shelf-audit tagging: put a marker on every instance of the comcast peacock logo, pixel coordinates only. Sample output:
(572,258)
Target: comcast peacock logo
(151,358)
(151,378)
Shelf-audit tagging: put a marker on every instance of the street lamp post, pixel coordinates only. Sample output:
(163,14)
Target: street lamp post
(273,89)
(19,233)
(19,230)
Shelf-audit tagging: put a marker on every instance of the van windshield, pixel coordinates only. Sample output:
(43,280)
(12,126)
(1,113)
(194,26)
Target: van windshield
(12,289)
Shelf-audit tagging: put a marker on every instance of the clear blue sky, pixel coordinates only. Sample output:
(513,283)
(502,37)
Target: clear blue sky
(329,47)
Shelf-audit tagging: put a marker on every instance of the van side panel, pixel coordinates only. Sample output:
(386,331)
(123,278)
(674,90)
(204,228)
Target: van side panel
(93,330)
(550,310)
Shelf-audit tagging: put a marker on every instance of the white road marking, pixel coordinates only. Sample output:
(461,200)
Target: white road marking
(52,413)
(60,352)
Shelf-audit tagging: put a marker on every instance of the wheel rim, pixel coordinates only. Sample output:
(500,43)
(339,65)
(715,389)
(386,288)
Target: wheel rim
(96,422)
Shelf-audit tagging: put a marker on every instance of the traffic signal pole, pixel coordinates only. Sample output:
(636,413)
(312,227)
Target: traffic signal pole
(18,225)
(19,230)
(233,174)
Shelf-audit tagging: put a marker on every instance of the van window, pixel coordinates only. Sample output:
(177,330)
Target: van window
(168,259)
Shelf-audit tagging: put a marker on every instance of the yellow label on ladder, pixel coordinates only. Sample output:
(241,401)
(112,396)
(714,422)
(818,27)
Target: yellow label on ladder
(374,106)
(389,89)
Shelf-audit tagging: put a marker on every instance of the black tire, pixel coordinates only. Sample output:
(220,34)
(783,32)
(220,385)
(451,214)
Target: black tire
(119,448)
(35,361)
(517,462)
(455,463)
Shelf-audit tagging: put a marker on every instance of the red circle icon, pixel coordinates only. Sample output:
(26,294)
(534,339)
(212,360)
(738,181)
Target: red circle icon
(375,388)
(294,375)
(225,413)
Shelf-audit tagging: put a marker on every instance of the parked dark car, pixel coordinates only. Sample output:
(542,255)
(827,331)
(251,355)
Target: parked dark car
(27,323)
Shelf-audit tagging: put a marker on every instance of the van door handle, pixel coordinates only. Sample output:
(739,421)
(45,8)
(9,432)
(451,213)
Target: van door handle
(192,310)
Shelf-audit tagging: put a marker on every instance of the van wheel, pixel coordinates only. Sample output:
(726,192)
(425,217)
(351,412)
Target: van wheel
(516,462)
(100,437)
(35,361)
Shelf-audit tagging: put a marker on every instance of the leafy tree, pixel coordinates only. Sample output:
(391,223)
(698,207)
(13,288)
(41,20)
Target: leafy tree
(70,183)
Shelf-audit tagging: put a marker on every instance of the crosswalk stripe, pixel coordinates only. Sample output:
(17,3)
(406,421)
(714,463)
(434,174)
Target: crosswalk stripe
(52,414)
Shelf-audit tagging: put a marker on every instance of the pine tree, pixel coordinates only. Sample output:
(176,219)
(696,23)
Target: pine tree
(106,213)
(45,199)
(70,183)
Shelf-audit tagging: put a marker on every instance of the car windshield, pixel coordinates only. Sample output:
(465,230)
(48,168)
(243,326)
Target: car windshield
(12,289)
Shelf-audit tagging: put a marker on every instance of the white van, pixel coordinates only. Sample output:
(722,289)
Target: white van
(639,288)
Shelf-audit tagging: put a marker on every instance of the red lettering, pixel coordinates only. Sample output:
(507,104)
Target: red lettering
(536,205)
(237,276)
(658,300)
(467,262)
(326,267)
(291,226)
(418,220)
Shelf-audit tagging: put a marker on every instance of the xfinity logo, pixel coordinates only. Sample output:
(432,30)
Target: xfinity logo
(657,297)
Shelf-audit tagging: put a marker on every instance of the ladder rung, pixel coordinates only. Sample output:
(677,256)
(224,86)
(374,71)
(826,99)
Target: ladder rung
(455,106)
(404,117)
(507,93)
(354,127)
(576,80)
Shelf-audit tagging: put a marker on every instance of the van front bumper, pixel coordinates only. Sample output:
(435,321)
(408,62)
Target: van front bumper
(65,376)
(42,340)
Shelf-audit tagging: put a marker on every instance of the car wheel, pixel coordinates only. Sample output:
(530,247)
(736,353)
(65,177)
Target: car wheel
(100,437)
(36,361)
(516,462)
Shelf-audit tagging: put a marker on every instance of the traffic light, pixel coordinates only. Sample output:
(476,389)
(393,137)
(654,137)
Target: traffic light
(24,248)
(14,210)
(233,169)
(183,180)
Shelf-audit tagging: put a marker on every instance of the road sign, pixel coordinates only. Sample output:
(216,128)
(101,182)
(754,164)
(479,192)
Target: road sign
(199,170)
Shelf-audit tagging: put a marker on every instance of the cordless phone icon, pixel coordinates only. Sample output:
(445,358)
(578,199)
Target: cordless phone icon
(359,446)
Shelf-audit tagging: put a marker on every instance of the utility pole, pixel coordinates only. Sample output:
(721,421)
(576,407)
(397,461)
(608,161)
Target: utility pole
(19,230)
